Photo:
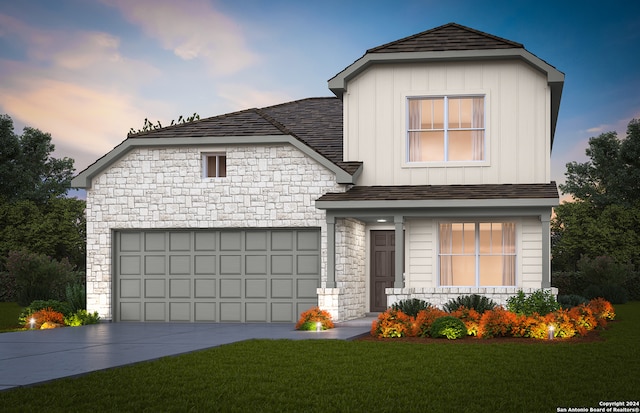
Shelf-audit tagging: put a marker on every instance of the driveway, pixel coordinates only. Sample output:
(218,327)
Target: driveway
(30,357)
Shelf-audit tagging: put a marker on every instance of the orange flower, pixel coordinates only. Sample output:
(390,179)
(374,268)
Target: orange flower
(45,315)
(496,322)
(392,323)
(314,315)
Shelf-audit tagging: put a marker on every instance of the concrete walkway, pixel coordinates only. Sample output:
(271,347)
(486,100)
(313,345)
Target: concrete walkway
(30,357)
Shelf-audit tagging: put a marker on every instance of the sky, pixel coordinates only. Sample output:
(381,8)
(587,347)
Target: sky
(87,71)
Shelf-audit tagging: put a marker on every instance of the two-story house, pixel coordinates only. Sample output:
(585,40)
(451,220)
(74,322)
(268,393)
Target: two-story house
(427,176)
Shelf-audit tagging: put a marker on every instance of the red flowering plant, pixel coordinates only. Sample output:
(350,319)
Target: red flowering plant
(602,310)
(496,323)
(392,323)
(309,319)
(46,315)
(470,317)
(424,319)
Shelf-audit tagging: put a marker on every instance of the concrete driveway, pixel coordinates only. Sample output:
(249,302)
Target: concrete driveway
(30,357)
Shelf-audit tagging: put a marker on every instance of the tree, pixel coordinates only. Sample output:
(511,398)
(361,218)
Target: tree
(604,220)
(27,169)
(612,176)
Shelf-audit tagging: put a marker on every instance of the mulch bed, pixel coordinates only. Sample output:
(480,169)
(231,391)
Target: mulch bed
(592,336)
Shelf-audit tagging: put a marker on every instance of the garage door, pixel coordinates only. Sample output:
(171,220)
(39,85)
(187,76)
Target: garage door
(215,275)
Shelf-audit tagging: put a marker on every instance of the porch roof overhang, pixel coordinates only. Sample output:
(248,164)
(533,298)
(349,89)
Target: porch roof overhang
(369,202)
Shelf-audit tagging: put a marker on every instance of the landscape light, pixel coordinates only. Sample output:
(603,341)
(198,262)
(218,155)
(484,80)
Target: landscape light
(551,328)
(318,325)
(32,322)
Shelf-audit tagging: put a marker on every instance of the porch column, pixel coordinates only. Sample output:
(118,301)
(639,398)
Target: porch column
(331,252)
(399,251)
(546,249)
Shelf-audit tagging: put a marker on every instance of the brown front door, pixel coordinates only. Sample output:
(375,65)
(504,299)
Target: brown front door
(383,246)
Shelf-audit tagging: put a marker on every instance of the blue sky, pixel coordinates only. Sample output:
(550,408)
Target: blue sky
(89,70)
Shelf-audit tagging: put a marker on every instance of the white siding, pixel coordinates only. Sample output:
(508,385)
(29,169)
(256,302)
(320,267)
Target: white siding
(531,259)
(517,127)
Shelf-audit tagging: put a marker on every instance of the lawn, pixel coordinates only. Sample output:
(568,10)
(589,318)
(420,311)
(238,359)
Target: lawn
(9,313)
(362,376)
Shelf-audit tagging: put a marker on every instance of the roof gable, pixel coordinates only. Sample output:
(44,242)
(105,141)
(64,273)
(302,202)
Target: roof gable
(451,36)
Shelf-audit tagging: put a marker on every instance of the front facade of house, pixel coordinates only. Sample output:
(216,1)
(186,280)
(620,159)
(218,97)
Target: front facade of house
(427,176)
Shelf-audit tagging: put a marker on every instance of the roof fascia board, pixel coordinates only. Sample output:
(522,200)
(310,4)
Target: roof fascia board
(338,84)
(475,213)
(84,178)
(438,203)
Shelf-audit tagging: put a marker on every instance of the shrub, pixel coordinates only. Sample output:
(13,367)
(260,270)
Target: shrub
(479,303)
(424,320)
(81,318)
(610,292)
(55,305)
(525,325)
(309,318)
(563,325)
(43,316)
(7,287)
(38,277)
(470,317)
(496,323)
(569,282)
(572,300)
(411,306)
(449,327)
(583,319)
(540,301)
(392,323)
(604,270)
(602,310)
(76,296)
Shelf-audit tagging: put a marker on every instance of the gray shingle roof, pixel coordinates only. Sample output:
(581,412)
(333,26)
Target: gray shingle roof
(444,192)
(317,122)
(451,36)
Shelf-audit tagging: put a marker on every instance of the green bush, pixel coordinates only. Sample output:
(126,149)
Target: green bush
(7,287)
(571,300)
(540,301)
(568,282)
(411,306)
(76,296)
(479,303)
(39,277)
(633,286)
(449,327)
(81,318)
(55,305)
(615,294)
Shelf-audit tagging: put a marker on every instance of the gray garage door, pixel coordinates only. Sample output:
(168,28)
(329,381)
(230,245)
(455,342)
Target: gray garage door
(215,275)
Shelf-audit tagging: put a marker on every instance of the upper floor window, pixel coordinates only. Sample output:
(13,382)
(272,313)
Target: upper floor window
(214,165)
(445,129)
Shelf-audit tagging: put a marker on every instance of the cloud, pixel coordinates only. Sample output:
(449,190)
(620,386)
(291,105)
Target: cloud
(191,30)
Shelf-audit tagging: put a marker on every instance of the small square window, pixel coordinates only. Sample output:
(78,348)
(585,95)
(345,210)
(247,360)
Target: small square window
(214,165)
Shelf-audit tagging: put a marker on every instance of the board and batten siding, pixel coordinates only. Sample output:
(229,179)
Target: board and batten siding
(268,186)
(517,121)
(422,252)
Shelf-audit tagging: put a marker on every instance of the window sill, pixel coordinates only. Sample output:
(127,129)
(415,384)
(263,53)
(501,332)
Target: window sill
(453,164)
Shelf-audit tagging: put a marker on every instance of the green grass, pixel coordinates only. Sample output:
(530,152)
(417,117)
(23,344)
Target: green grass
(361,376)
(9,313)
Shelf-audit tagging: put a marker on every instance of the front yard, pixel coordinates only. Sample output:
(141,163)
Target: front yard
(322,376)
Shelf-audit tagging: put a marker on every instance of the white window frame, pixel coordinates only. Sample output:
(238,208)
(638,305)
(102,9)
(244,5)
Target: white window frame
(477,253)
(205,164)
(446,163)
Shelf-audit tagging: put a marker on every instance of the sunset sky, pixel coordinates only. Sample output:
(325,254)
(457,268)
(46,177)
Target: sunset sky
(87,71)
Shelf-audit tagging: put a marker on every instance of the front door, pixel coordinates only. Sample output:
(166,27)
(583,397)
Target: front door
(382,269)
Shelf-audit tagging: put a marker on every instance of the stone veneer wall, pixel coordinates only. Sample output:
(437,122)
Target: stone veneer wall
(350,268)
(270,186)
(440,296)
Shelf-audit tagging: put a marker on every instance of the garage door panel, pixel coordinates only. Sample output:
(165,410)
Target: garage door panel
(179,288)
(256,288)
(179,264)
(230,288)
(130,288)
(306,288)
(231,311)
(282,288)
(204,311)
(154,288)
(205,288)
(230,264)
(130,265)
(154,241)
(205,264)
(154,265)
(154,311)
(179,311)
(231,275)
(256,312)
